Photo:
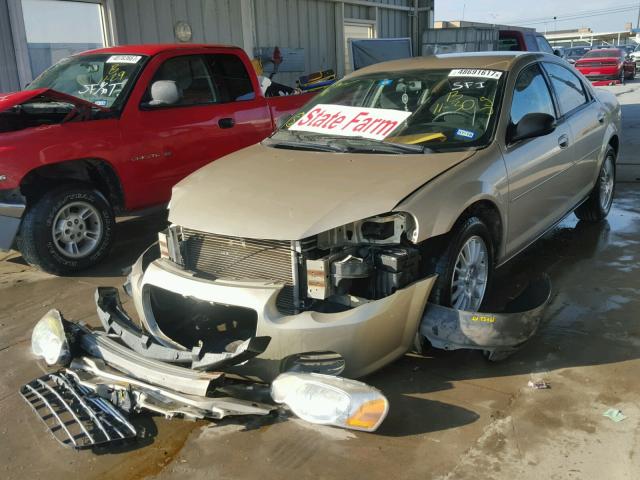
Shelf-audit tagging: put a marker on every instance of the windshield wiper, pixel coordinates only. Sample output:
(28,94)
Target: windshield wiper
(363,144)
(303,145)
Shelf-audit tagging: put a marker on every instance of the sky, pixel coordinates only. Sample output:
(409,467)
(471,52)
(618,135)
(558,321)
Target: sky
(599,15)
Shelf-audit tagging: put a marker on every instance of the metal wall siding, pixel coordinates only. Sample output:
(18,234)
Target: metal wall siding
(308,24)
(153,21)
(9,80)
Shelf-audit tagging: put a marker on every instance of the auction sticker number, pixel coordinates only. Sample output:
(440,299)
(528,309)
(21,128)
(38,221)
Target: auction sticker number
(124,59)
(374,123)
(475,72)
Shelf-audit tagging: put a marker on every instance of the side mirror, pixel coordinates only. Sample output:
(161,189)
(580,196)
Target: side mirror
(557,53)
(164,92)
(532,125)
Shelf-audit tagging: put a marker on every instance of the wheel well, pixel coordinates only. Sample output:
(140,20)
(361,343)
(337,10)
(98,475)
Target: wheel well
(95,172)
(487,211)
(615,143)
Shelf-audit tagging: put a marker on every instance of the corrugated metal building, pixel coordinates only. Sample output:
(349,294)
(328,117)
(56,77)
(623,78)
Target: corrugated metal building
(312,34)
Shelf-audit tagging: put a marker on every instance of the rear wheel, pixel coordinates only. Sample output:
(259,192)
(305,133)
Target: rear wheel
(68,229)
(597,206)
(465,268)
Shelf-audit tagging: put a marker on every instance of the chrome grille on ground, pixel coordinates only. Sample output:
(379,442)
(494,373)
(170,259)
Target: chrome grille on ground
(220,256)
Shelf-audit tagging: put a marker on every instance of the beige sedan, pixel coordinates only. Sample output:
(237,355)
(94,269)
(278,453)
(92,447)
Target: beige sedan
(405,182)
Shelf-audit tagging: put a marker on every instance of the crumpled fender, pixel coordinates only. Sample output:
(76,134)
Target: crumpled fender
(499,334)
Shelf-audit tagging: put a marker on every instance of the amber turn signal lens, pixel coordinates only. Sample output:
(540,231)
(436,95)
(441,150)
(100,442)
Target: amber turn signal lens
(369,416)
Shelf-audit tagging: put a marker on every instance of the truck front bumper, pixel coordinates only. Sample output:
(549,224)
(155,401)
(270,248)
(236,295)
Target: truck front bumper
(10,220)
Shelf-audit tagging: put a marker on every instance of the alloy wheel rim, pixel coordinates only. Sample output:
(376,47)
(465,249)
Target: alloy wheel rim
(606,182)
(77,229)
(470,275)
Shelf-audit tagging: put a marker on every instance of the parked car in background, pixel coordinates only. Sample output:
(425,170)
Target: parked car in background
(110,131)
(405,181)
(523,40)
(573,54)
(635,56)
(606,64)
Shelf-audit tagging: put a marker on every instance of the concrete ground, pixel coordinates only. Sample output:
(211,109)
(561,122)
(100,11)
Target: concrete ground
(453,415)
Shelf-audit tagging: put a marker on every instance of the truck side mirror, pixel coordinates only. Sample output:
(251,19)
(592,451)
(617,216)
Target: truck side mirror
(164,92)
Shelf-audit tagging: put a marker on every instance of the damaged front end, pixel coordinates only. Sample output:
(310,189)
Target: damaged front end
(108,375)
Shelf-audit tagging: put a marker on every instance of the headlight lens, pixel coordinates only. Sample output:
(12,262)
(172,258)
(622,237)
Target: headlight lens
(49,340)
(328,400)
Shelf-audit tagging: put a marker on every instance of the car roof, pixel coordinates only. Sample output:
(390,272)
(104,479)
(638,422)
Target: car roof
(154,48)
(481,60)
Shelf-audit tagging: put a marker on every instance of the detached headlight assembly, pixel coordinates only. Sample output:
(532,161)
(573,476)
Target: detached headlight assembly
(49,340)
(329,400)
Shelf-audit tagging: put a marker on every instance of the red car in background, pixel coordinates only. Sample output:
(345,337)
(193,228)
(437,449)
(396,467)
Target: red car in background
(109,132)
(606,64)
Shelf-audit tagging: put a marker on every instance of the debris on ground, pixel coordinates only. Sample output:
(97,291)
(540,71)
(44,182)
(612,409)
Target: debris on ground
(538,384)
(614,414)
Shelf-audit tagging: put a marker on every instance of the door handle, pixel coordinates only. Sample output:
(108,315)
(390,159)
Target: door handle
(226,122)
(600,117)
(563,141)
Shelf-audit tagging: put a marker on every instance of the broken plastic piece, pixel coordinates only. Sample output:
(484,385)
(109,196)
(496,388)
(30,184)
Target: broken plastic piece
(95,375)
(538,384)
(115,320)
(498,334)
(614,414)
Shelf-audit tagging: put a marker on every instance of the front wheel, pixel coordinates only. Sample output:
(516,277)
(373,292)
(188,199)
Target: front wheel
(597,206)
(68,229)
(465,268)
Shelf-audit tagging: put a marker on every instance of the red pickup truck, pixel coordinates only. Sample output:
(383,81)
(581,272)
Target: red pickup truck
(110,131)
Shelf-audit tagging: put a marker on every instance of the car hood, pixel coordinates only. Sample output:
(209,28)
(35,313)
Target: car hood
(9,100)
(271,193)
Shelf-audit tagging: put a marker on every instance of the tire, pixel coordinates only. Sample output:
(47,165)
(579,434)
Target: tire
(64,210)
(444,292)
(597,206)
(622,76)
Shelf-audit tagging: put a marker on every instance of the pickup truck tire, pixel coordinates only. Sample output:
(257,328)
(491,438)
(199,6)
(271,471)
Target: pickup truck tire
(469,235)
(68,229)
(598,204)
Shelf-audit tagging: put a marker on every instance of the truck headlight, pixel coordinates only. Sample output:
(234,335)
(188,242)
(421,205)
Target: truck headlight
(328,400)
(49,340)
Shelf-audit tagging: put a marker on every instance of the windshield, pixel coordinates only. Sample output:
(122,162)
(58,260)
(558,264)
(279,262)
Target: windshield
(602,53)
(435,109)
(103,79)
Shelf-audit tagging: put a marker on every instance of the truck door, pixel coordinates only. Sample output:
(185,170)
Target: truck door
(193,109)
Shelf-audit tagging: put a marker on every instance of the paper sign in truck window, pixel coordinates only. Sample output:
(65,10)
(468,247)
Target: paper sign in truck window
(475,72)
(374,123)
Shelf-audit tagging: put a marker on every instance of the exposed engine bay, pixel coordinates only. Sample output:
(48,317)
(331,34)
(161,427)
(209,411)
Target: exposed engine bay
(333,271)
(34,114)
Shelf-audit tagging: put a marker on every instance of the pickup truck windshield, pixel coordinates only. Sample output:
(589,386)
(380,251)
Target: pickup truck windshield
(103,79)
(435,109)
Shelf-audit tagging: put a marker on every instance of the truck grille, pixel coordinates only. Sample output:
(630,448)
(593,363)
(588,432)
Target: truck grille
(220,256)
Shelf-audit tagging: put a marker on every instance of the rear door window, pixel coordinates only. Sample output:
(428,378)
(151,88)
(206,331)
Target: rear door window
(567,86)
(230,77)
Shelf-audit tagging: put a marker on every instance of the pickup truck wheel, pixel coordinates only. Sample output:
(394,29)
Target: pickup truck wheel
(465,268)
(68,229)
(597,206)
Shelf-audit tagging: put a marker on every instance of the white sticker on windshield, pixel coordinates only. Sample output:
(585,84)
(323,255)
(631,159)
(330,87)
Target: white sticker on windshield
(375,123)
(124,59)
(475,72)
